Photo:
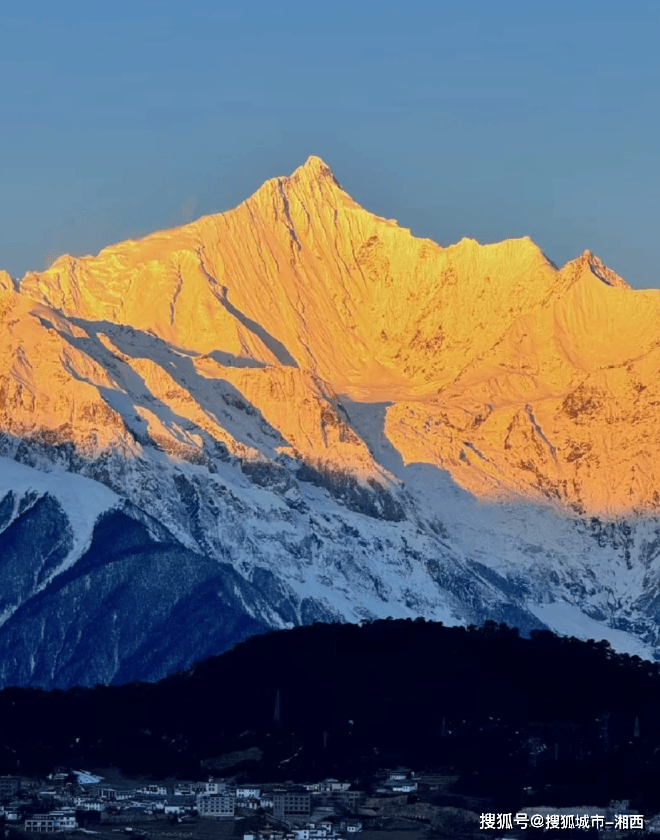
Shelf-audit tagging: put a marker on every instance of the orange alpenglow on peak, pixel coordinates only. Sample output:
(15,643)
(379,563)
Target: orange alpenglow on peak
(6,284)
(315,167)
(519,378)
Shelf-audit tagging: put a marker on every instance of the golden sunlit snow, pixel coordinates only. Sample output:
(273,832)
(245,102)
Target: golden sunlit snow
(515,376)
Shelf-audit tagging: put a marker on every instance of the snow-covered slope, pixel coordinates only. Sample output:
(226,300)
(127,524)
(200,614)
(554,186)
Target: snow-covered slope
(301,407)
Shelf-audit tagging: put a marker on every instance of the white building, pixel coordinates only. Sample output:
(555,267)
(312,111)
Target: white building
(244,802)
(216,805)
(65,820)
(404,787)
(152,790)
(321,831)
(217,786)
(85,804)
(40,823)
(333,784)
(55,821)
(248,792)
(399,774)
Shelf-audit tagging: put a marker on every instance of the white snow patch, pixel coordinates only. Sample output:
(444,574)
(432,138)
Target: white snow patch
(568,620)
(82,499)
(87,778)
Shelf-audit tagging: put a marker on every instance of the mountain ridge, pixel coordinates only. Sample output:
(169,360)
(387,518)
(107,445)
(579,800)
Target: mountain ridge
(308,395)
(367,326)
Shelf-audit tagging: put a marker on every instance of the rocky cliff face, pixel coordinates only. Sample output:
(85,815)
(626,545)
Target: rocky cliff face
(302,408)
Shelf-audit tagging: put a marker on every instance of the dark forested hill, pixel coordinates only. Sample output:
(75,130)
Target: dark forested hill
(570,718)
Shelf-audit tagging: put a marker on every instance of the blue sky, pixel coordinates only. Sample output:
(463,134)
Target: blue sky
(483,119)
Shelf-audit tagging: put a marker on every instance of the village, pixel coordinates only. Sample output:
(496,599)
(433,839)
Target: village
(79,801)
(397,804)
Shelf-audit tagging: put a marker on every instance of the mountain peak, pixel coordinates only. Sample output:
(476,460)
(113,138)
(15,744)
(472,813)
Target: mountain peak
(589,262)
(314,177)
(314,169)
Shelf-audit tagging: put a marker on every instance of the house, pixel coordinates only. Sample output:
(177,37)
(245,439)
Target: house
(292,804)
(152,790)
(217,786)
(113,793)
(248,802)
(400,780)
(184,803)
(351,798)
(9,786)
(40,823)
(55,821)
(321,831)
(399,774)
(216,805)
(84,803)
(333,784)
(407,786)
(248,791)
(65,820)
(47,793)
(347,798)
(440,781)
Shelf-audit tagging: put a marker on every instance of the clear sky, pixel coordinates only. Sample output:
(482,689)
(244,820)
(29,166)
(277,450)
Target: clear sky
(489,119)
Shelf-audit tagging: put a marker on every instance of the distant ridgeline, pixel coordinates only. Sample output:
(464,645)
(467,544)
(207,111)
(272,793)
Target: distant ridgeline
(504,711)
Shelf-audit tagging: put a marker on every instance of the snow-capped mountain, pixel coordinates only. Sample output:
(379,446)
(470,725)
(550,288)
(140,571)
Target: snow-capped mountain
(296,411)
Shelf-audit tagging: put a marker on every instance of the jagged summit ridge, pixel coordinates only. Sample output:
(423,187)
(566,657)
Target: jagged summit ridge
(302,406)
(313,173)
(314,168)
(465,337)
